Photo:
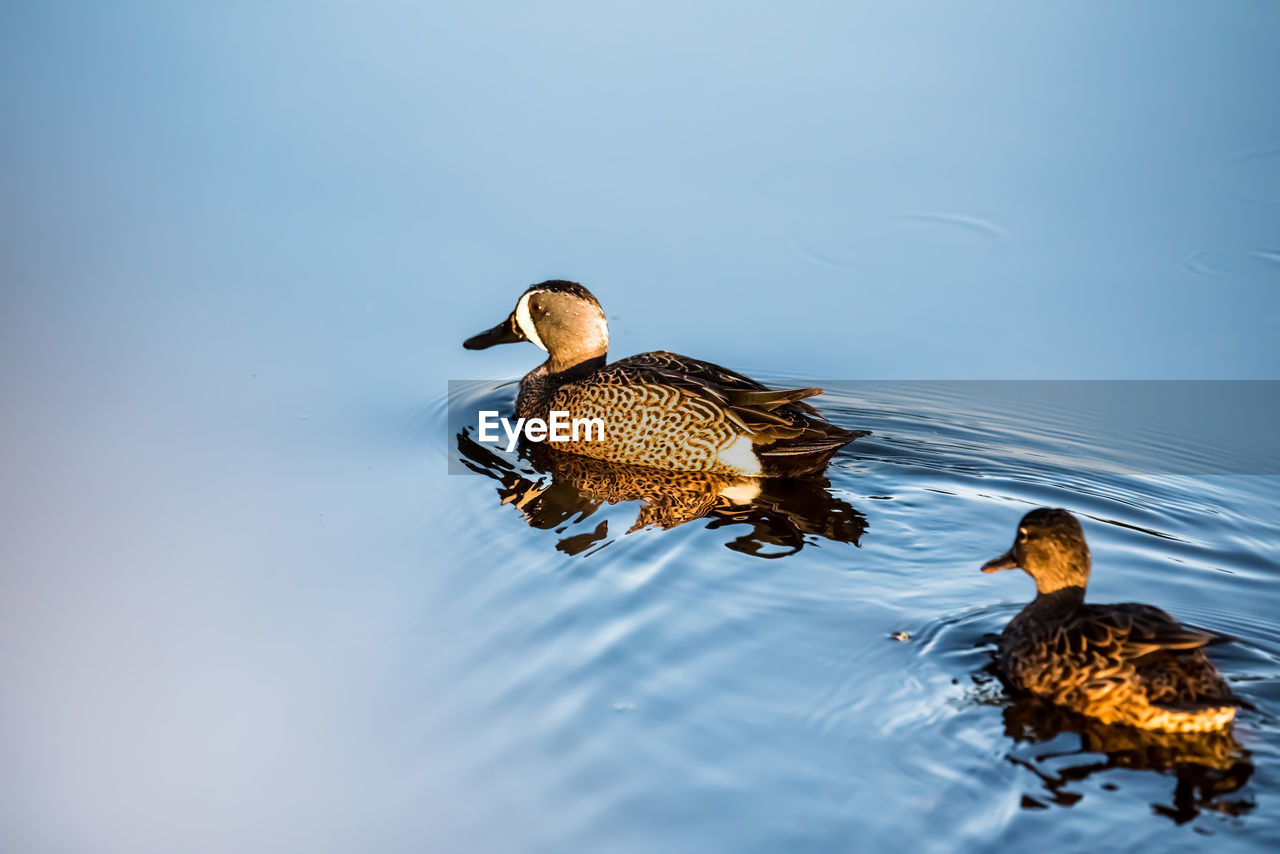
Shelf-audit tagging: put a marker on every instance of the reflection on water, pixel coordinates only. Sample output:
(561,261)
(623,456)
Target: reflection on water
(562,491)
(1206,767)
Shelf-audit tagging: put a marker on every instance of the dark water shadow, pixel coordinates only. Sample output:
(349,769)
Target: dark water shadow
(559,492)
(1206,767)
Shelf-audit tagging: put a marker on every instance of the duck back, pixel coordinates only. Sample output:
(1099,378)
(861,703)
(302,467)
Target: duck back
(1125,663)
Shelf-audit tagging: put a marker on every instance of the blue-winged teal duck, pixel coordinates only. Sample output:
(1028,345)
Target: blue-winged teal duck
(659,409)
(1125,664)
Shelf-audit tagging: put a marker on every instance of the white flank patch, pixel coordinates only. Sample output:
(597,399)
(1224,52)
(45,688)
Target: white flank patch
(741,492)
(741,456)
(525,322)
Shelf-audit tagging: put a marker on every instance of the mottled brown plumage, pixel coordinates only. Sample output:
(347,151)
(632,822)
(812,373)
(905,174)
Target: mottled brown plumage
(667,498)
(660,409)
(1126,663)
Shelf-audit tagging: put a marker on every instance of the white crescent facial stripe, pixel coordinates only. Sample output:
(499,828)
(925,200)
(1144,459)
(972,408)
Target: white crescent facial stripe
(525,321)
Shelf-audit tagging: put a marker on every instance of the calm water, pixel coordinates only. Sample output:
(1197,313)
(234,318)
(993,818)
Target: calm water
(243,605)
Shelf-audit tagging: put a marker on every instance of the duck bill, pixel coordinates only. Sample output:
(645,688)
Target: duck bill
(1005,561)
(506,332)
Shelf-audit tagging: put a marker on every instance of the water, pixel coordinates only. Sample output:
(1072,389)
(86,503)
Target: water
(243,605)
(675,693)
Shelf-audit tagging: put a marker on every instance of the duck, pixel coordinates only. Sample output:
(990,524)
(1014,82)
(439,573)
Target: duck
(659,409)
(1128,663)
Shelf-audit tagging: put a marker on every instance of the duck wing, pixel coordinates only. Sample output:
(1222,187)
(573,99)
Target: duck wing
(689,366)
(1132,641)
(1136,630)
(670,411)
(718,376)
(773,417)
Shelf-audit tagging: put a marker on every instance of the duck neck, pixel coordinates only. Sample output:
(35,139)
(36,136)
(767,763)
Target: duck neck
(1061,599)
(567,366)
(539,385)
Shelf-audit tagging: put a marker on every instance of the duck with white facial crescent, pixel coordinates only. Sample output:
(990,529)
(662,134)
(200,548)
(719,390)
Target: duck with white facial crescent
(660,409)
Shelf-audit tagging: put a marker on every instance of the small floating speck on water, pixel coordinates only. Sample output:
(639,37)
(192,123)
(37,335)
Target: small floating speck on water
(901,637)
(624,707)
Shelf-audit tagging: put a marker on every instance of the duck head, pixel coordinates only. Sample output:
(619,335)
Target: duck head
(563,318)
(1050,547)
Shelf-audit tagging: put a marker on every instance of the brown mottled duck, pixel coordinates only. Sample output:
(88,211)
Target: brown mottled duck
(1126,663)
(660,409)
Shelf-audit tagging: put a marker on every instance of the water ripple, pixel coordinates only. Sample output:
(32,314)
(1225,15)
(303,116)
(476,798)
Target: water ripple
(1248,264)
(821,258)
(900,242)
(966,222)
(1255,175)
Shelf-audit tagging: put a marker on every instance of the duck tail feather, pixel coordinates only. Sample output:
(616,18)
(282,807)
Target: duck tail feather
(1212,638)
(814,446)
(769,399)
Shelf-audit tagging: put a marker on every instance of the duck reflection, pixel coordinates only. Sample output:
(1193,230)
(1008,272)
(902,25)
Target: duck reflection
(564,490)
(1207,767)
